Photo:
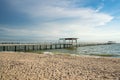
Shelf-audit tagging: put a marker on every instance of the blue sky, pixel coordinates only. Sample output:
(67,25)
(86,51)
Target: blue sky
(89,20)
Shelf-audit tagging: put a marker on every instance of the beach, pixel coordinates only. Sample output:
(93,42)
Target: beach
(33,66)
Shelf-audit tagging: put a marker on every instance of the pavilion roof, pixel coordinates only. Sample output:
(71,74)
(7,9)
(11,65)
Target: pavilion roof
(68,38)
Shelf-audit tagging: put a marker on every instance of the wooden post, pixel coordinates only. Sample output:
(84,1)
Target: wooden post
(28,47)
(33,47)
(63,45)
(72,42)
(76,43)
(51,46)
(0,48)
(3,48)
(25,48)
(15,48)
(40,47)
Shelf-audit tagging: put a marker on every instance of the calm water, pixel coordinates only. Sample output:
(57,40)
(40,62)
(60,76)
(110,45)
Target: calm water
(113,49)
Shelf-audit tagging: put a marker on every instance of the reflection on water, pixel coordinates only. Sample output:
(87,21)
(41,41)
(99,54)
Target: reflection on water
(113,49)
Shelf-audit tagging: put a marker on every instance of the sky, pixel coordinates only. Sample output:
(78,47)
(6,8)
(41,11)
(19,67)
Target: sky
(88,20)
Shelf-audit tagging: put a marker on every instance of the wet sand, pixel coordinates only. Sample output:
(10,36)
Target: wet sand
(31,66)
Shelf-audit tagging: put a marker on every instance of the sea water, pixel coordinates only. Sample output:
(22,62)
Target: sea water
(112,49)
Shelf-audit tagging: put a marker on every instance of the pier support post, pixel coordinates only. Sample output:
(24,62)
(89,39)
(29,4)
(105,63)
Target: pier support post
(33,47)
(3,48)
(15,48)
(25,48)
(63,45)
(50,46)
(28,48)
(40,47)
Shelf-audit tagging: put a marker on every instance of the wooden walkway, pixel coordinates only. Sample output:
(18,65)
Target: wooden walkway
(32,47)
(40,46)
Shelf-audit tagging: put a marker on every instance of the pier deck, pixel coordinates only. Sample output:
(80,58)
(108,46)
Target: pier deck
(41,46)
(33,47)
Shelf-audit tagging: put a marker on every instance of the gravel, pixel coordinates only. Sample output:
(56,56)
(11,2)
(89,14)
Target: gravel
(32,66)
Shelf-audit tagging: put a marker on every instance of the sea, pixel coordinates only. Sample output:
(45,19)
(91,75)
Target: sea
(112,50)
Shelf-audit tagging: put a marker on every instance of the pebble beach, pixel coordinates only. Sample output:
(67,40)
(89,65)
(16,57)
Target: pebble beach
(32,66)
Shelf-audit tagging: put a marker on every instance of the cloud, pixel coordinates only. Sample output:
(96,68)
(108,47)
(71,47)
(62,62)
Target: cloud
(84,34)
(62,19)
(57,9)
(100,7)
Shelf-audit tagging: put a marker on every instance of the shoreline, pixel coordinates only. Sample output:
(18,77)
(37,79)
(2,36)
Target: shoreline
(32,66)
(52,53)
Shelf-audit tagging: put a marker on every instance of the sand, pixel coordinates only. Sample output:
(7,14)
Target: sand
(32,66)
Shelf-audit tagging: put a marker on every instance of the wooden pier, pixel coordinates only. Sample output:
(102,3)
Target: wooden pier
(32,47)
(11,46)
(39,46)
(66,43)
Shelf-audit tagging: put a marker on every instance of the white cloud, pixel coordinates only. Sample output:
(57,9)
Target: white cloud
(100,7)
(75,22)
